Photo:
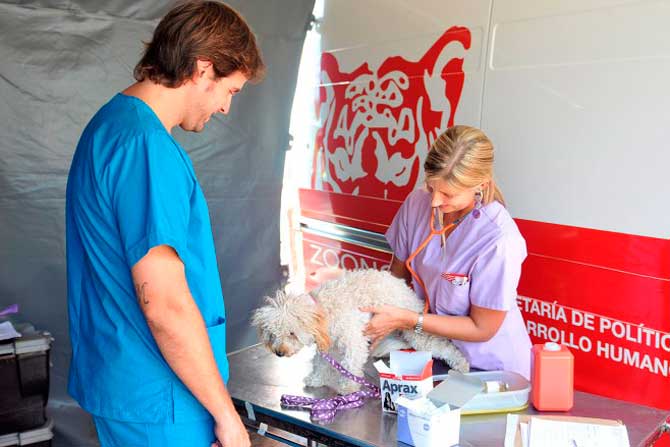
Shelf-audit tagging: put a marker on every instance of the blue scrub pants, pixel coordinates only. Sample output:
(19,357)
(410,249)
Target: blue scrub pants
(112,433)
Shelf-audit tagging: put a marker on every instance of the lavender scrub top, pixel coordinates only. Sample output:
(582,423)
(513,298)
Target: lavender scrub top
(488,251)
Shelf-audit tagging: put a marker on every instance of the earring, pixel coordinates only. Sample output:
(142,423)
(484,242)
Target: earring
(478,204)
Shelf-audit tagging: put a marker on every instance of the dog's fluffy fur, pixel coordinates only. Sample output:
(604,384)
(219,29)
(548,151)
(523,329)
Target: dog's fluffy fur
(330,317)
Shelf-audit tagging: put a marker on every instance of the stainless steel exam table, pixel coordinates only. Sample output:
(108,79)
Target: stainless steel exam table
(258,379)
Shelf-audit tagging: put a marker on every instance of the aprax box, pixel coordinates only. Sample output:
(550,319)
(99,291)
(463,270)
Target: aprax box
(435,420)
(410,373)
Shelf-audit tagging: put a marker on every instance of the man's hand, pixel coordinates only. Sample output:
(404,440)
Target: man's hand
(231,432)
(386,319)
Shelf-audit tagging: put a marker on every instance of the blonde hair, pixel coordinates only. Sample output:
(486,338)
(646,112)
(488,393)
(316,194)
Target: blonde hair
(463,157)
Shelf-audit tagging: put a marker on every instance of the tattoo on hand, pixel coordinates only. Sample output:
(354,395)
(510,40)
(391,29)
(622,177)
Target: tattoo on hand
(141,293)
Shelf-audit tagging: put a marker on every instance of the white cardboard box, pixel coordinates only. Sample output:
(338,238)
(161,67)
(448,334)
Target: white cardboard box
(435,420)
(410,373)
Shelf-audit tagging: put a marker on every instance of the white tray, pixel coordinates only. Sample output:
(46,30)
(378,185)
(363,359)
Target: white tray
(515,399)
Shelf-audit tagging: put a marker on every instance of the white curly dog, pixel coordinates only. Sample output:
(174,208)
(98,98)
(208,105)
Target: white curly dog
(330,317)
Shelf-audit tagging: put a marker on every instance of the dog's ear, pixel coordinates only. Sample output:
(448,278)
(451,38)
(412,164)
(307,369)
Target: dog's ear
(258,316)
(318,327)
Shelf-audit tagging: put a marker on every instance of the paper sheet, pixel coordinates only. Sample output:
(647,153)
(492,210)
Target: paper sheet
(558,431)
(510,429)
(7,331)
(523,427)
(548,433)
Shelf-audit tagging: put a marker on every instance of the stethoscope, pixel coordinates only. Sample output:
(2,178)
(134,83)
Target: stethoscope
(433,232)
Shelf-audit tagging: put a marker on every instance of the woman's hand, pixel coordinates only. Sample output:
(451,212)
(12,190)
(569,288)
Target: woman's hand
(386,319)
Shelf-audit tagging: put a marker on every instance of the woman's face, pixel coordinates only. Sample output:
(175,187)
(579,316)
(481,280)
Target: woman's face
(449,199)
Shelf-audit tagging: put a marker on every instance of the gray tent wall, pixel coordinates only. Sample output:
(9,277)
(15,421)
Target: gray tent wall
(59,62)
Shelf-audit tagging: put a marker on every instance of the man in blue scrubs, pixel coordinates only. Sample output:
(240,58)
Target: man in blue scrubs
(147,319)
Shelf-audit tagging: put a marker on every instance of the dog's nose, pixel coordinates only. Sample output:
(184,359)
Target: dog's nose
(279,354)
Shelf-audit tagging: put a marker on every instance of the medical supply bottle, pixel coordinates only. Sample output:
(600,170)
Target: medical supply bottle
(552,377)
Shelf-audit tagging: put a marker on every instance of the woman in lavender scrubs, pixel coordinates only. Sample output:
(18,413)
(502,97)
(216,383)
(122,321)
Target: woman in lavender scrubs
(459,247)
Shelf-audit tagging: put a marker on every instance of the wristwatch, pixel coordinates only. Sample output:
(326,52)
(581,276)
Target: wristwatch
(418,327)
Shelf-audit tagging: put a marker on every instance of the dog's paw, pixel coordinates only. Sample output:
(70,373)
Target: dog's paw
(461,366)
(314,380)
(348,387)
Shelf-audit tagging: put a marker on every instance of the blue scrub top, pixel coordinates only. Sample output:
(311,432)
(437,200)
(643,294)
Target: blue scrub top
(131,187)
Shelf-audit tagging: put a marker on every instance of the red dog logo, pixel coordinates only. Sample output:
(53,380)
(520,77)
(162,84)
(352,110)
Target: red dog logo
(378,127)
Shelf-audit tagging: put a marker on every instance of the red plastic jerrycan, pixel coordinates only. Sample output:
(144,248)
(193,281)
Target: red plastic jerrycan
(552,377)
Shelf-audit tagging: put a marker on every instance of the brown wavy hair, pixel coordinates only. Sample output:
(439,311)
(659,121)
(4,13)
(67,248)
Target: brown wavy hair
(193,30)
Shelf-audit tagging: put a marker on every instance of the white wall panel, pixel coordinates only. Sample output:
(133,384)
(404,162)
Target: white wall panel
(576,100)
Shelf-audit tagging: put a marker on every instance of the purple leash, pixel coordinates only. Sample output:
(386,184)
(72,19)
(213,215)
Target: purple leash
(323,410)
(13,309)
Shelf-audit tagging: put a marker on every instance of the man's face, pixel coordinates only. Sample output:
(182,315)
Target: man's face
(210,95)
